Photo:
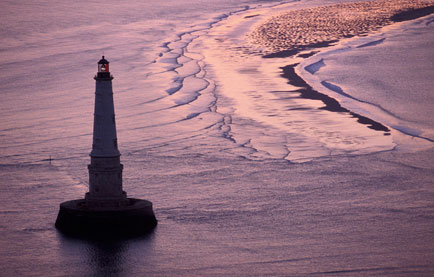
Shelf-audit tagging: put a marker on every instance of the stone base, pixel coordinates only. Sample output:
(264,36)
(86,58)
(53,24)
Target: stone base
(79,218)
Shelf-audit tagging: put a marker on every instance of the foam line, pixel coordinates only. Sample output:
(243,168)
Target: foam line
(313,68)
(372,43)
(403,129)
(410,132)
(339,90)
(331,104)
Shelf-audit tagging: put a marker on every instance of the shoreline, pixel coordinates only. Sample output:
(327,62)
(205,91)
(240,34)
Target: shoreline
(305,51)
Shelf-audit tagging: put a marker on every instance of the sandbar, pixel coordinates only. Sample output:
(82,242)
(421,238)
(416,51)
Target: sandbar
(290,32)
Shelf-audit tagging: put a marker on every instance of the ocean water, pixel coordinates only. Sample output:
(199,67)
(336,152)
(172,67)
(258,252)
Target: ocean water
(247,178)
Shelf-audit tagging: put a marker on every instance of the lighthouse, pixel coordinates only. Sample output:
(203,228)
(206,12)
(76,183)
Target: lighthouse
(105,169)
(105,209)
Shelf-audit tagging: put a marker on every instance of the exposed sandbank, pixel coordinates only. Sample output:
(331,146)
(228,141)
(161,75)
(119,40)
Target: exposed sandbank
(288,33)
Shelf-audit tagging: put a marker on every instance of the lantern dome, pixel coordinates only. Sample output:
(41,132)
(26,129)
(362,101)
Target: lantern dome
(103,61)
(103,68)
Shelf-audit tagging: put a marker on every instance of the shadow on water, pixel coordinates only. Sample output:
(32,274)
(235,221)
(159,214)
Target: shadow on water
(412,14)
(105,255)
(331,104)
(296,50)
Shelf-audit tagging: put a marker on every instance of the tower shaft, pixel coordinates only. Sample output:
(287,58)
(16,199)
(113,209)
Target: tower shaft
(105,143)
(105,169)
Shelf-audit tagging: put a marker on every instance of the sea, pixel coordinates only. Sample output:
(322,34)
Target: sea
(247,177)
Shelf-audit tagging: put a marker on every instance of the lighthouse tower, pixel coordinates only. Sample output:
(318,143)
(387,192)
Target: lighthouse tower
(105,210)
(105,169)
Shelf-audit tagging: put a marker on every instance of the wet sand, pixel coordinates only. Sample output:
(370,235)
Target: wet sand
(291,32)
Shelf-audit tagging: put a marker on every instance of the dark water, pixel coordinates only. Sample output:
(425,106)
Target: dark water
(226,206)
(365,216)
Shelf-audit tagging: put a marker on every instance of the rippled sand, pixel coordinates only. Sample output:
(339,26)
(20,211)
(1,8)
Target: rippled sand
(300,28)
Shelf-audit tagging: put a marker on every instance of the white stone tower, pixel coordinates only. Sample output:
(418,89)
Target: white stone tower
(105,169)
(105,210)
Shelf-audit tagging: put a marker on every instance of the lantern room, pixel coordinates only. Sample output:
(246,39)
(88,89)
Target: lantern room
(103,65)
(103,68)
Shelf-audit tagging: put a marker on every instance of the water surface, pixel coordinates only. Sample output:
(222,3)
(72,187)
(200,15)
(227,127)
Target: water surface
(247,178)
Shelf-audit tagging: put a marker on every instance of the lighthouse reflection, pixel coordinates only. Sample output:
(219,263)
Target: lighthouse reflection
(113,257)
(107,256)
